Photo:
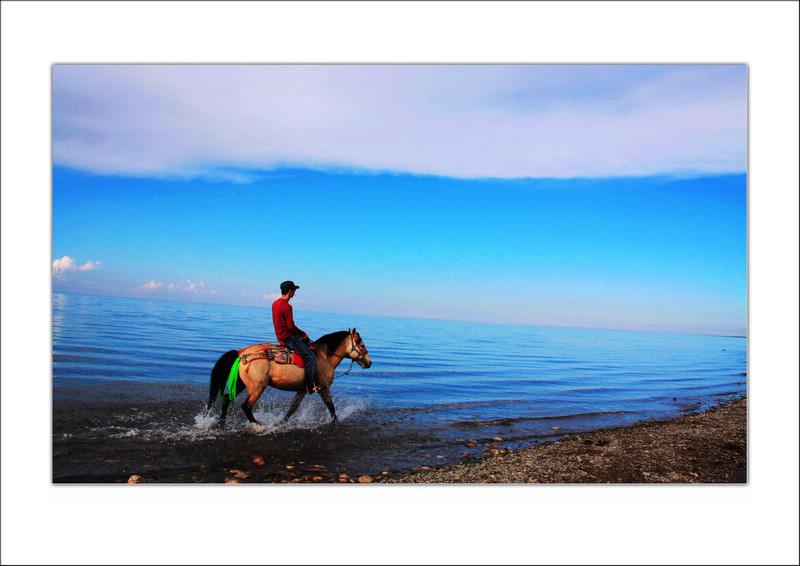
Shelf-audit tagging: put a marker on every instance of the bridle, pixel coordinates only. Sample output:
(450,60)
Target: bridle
(354,347)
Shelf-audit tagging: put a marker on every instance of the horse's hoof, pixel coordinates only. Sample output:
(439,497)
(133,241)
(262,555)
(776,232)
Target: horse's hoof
(256,428)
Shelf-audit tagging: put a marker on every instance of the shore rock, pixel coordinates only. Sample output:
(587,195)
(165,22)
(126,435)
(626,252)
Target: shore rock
(709,447)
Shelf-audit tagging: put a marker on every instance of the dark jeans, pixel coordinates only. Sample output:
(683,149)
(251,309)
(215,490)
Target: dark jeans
(294,343)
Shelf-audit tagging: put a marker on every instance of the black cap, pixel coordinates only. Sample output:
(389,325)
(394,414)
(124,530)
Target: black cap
(287,286)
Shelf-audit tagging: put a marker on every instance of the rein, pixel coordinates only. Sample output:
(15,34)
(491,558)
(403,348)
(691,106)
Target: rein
(348,369)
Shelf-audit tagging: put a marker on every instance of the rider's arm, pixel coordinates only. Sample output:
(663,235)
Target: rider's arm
(290,325)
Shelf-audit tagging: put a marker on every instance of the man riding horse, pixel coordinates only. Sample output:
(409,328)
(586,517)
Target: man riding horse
(289,335)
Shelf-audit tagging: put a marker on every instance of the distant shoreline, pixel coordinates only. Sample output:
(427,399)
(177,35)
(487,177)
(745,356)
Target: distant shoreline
(322,312)
(707,447)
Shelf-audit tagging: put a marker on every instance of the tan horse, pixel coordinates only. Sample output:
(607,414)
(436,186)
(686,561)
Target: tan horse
(256,375)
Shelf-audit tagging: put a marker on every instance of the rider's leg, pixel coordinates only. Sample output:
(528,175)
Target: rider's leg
(309,359)
(311,370)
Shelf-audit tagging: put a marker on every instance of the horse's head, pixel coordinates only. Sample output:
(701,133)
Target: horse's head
(358,351)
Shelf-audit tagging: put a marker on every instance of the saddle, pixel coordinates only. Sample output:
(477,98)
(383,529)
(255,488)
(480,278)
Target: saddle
(272,351)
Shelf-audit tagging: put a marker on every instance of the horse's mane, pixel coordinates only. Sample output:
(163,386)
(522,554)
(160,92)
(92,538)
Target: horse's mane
(331,341)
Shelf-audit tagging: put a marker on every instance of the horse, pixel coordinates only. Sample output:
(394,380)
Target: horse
(257,374)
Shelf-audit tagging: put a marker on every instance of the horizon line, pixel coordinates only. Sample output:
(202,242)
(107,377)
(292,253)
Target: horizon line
(248,306)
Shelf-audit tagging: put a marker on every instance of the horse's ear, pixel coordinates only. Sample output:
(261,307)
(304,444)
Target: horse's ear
(354,331)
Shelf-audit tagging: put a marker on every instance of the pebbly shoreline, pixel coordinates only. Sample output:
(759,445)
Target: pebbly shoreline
(708,447)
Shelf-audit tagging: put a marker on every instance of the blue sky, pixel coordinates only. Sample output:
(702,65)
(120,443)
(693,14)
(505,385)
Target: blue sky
(591,196)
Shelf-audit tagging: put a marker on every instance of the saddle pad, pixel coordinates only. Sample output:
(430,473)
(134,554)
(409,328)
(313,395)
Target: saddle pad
(274,353)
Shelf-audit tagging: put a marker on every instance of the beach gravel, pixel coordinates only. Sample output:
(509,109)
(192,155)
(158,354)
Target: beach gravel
(707,447)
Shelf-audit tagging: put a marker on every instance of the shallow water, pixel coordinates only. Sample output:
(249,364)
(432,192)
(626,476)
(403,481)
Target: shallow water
(130,381)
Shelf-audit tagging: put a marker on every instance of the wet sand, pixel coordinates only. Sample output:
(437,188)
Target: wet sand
(706,447)
(709,447)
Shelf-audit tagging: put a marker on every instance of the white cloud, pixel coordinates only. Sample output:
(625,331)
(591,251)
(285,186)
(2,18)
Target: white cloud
(66,263)
(228,122)
(271,298)
(149,286)
(187,287)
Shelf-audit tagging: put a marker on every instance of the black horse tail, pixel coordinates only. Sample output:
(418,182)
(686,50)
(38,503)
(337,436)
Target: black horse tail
(220,374)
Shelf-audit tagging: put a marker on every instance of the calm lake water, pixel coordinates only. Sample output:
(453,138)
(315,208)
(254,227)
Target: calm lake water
(130,382)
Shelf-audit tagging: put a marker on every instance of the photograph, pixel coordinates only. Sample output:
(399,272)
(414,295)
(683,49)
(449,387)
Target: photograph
(399,273)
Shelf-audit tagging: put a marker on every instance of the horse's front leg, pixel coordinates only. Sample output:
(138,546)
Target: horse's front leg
(325,393)
(295,404)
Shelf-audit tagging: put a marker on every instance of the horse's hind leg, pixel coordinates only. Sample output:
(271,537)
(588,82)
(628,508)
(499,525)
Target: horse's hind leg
(248,410)
(295,404)
(325,393)
(225,404)
(252,397)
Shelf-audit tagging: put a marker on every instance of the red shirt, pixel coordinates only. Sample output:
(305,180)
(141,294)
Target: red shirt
(283,320)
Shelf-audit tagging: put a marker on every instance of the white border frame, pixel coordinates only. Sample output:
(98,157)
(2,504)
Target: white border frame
(757,523)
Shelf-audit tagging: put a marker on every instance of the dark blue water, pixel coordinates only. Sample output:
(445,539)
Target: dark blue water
(136,371)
